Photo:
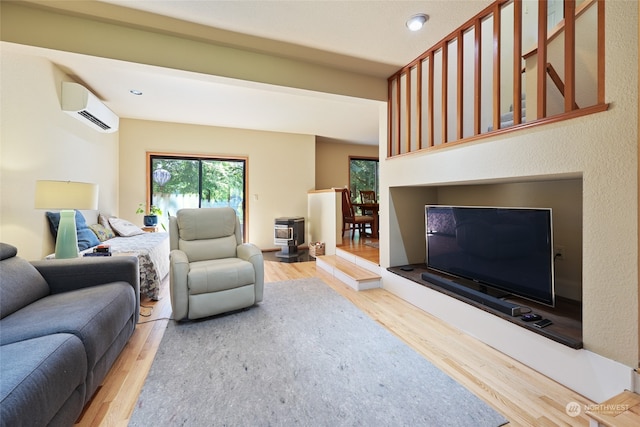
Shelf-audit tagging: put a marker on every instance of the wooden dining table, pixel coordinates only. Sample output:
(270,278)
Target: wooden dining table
(374,208)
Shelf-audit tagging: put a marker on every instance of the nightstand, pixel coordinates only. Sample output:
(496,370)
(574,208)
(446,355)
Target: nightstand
(150,229)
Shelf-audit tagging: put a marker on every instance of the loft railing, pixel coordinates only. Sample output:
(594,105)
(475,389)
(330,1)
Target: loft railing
(478,81)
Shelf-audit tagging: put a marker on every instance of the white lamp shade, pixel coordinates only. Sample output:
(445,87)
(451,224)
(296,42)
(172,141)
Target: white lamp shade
(66,195)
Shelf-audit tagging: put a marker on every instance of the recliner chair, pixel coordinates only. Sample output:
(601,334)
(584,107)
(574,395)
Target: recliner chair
(211,270)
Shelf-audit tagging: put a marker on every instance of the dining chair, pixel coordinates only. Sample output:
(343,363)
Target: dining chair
(351,221)
(367,196)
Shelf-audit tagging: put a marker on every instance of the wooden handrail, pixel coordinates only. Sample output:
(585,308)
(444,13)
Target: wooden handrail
(555,77)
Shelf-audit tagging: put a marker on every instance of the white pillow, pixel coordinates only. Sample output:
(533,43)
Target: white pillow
(124,228)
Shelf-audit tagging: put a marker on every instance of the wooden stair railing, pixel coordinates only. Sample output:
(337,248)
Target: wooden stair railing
(557,80)
(414,95)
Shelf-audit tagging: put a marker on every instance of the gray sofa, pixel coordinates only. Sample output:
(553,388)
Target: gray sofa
(63,323)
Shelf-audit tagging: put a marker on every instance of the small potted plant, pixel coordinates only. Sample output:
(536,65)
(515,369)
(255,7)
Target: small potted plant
(150,217)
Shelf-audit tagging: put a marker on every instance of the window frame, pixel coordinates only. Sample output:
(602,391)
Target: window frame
(151,156)
(355,197)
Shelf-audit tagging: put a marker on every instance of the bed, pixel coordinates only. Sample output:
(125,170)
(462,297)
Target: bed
(152,250)
(123,238)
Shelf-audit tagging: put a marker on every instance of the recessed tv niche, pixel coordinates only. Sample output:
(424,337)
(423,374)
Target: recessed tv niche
(504,249)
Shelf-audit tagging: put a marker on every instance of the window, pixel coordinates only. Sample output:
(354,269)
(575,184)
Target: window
(363,175)
(197,182)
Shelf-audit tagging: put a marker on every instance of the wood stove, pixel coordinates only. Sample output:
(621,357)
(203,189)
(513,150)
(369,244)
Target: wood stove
(288,233)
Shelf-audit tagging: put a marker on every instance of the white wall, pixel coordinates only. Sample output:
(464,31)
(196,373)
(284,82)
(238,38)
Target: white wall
(39,141)
(58,29)
(602,149)
(332,161)
(281,167)
(324,221)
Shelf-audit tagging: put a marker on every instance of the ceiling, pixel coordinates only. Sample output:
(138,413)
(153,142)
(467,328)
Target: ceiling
(372,32)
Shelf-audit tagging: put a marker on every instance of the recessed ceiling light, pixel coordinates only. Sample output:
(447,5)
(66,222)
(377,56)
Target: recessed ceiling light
(135,92)
(417,21)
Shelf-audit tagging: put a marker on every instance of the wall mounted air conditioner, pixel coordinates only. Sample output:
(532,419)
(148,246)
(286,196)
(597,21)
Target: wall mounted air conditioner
(78,102)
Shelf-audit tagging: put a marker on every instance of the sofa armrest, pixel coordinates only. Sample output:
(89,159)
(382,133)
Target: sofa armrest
(178,271)
(64,275)
(253,254)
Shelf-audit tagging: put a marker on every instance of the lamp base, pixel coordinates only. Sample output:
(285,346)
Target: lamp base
(67,240)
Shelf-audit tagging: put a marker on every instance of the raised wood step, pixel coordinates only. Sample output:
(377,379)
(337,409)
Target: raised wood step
(348,272)
(622,410)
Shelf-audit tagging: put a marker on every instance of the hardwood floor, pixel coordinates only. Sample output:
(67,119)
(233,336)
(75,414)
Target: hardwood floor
(523,396)
(365,248)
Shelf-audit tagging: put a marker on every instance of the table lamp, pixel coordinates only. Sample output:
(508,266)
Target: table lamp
(66,196)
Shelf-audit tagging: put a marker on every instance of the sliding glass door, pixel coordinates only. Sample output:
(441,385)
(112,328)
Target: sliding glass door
(197,182)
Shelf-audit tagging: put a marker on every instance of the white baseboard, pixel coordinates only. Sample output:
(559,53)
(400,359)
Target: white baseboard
(583,371)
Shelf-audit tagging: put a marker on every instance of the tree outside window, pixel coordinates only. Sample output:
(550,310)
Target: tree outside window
(363,175)
(197,182)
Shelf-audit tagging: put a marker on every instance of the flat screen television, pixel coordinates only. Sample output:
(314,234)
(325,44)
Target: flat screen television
(505,249)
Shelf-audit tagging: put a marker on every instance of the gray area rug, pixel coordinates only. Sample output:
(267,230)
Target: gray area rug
(306,357)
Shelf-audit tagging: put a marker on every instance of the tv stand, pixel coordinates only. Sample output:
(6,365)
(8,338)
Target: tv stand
(566,315)
(481,296)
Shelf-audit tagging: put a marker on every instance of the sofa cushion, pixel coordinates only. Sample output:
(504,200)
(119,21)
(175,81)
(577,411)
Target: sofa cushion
(218,275)
(20,283)
(101,232)
(125,228)
(96,315)
(86,237)
(7,251)
(42,378)
(103,220)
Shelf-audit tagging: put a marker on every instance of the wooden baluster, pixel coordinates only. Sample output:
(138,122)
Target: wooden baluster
(517,62)
(419,105)
(431,100)
(496,67)
(477,107)
(445,92)
(569,55)
(460,95)
(542,59)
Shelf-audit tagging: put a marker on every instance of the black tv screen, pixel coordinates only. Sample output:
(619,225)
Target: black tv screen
(508,249)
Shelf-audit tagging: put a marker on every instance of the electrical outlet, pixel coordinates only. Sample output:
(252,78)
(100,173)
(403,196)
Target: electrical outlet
(558,253)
